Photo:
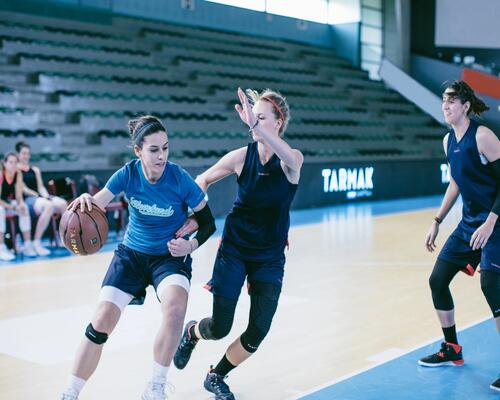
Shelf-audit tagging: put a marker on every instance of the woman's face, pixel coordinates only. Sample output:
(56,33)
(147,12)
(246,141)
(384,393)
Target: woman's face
(24,155)
(154,153)
(264,112)
(11,164)
(453,109)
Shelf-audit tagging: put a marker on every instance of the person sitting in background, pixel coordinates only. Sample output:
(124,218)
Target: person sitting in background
(37,198)
(11,198)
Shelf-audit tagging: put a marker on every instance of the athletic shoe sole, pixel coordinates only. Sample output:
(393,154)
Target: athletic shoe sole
(458,363)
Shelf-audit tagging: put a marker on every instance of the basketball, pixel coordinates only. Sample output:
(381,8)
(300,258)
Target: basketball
(84,233)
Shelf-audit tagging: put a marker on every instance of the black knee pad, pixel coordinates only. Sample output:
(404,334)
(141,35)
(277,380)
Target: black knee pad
(94,336)
(439,281)
(490,285)
(264,302)
(220,324)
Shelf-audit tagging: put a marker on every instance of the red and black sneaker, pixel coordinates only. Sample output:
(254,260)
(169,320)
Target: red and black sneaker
(449,354)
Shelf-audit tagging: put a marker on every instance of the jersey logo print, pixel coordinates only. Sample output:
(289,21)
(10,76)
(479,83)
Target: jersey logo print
(153,210)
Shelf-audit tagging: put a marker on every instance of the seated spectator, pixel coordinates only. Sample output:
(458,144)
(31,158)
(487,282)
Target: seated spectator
(37,198)
(11,199)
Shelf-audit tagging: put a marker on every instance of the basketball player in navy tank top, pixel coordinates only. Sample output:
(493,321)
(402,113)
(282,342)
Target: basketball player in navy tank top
(473,153)
(254,238)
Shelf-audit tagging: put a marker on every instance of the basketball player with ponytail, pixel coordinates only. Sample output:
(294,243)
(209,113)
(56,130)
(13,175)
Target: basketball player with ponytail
(473,153)
(254,238)
(159,194)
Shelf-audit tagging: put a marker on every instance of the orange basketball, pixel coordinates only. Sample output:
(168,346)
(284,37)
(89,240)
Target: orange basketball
(84,233)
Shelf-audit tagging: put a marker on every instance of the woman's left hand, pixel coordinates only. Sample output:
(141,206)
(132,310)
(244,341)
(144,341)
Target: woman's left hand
(481,235)
(245,109)
(179,247)
(189,226)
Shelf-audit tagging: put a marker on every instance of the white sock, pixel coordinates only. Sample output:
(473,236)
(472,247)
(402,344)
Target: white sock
(76,383)
(159,373)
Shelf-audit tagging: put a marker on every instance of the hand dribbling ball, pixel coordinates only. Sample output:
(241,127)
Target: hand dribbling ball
(84,233)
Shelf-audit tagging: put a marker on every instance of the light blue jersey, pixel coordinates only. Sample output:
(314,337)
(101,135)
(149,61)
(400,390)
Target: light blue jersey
(156,210)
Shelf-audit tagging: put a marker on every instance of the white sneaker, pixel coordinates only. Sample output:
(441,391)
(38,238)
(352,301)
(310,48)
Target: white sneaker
(69,394)
(5,253)
(40,250)
(29,250)
(156,391)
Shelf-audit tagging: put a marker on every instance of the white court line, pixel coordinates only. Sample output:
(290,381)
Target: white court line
(387,355)
(360,371)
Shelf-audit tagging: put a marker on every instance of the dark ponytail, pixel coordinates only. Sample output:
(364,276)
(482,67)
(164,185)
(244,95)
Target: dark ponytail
(143,126)
(463,92)
(21,145)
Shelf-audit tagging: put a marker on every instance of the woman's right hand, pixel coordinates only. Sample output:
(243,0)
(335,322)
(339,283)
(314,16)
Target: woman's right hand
(431,237)
(83,201)
(21,209)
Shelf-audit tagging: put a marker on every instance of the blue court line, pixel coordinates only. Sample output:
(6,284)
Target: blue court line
(403,379)
(297,217)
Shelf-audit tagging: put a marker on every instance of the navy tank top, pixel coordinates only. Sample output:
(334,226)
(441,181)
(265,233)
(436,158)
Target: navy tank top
(29,179)
(256,229)
(474,178)
(8,189)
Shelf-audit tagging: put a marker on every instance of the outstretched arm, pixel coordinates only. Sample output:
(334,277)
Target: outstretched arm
(102,198)
(231,163)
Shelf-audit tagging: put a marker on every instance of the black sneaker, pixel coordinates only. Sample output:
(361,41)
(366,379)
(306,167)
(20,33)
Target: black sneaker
(215,383)
(449,354)
(186,347)
(496,385)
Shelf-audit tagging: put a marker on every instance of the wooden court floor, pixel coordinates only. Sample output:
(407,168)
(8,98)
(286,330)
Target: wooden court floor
(355,293)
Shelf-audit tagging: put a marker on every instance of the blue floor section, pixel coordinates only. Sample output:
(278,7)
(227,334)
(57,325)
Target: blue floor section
(404,379)
(299,217)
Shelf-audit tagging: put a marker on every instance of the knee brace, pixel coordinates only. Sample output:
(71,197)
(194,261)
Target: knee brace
(264,302)
(94,336)
(490,285)
(439,281)
(220,324)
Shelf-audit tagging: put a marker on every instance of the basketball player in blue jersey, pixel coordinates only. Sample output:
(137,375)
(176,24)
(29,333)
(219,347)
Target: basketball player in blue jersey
(159,194)
(473,153)
(254,238)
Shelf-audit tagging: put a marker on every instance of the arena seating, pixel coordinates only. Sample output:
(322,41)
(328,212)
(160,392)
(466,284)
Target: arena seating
(69,91)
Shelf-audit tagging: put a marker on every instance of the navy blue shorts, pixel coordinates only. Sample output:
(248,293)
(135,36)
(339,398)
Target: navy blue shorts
(457,250)
(133,271)
(230,272)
